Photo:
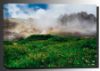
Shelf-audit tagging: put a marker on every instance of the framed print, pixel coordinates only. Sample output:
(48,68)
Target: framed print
(41,35)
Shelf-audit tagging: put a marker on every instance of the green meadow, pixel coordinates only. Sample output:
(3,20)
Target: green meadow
(51,51)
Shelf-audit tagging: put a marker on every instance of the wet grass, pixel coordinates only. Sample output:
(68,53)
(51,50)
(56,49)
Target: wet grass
(48,51)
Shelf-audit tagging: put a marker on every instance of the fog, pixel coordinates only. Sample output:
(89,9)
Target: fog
(59,19)
(76,24)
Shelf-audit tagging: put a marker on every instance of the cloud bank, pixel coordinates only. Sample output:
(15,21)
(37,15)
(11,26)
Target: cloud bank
(49,19)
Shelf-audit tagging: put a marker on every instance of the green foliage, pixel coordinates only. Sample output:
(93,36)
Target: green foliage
(41,51)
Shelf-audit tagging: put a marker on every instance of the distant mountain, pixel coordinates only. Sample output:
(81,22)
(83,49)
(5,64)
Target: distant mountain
(17,28)
(78,23)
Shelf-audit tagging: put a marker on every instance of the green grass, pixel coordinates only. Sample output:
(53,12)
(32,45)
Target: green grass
(48,51)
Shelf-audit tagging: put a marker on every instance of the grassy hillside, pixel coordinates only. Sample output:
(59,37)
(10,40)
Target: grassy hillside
(48,51)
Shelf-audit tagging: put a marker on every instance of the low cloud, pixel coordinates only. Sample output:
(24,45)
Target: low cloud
(76,24)
(57,19)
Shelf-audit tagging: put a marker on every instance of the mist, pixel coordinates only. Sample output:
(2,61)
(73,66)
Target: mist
(57,19)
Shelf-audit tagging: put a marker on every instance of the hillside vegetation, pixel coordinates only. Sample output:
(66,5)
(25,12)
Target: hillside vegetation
(51,51)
